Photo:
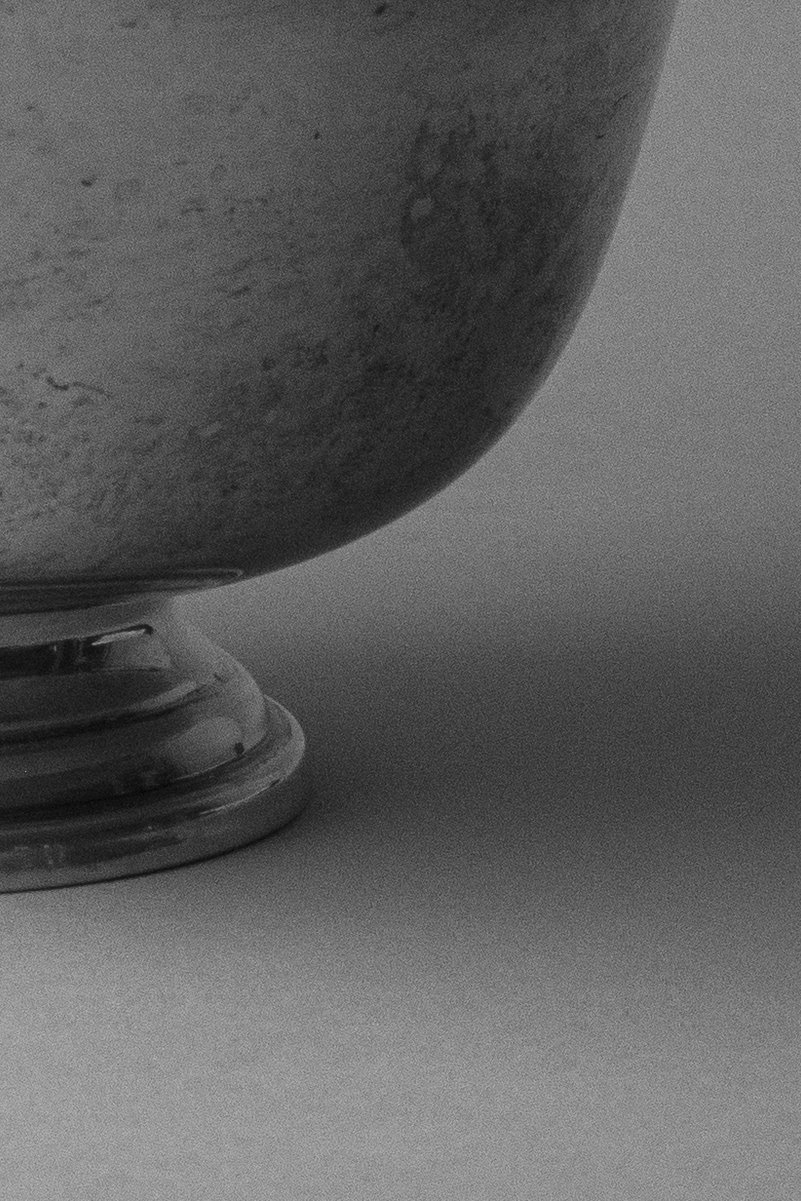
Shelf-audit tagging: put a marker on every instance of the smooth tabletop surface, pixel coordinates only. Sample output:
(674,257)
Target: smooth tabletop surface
(538,934)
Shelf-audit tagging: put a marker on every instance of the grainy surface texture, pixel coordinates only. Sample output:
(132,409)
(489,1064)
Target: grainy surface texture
(537,937)
(270,274)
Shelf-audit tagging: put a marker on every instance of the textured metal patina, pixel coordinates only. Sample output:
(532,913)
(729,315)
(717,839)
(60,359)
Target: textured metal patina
(270,274)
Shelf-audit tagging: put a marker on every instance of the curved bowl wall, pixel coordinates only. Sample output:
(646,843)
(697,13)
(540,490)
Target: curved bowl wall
(272,274)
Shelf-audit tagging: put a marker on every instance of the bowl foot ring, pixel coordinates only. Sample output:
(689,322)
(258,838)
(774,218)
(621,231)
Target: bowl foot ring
(130,744)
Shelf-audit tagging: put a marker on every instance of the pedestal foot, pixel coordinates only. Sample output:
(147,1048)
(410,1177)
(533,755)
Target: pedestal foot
(129,743)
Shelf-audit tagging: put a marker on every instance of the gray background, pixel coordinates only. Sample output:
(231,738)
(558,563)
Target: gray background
(537,935)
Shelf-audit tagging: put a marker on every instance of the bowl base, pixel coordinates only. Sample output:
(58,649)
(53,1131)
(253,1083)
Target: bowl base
(130,743)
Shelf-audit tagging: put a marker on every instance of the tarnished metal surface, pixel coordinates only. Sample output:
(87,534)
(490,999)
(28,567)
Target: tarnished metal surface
(270,274)
(129,743)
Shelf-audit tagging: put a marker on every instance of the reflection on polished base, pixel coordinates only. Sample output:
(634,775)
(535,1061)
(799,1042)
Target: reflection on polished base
(129,743)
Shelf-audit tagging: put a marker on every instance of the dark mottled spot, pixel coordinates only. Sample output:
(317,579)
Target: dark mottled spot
(268,363)
(127,190)
(380,8)
(312,356)
(197,104)
(242,291)
(88,181)
(131,23)
(241,265)
(60,387)
(317,135)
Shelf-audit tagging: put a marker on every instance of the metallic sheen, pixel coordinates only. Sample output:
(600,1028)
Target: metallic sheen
(129,742)
(271,274)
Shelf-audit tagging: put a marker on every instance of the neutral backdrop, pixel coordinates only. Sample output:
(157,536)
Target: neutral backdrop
(538,934)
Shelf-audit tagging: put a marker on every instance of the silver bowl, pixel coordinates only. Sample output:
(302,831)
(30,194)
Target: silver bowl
(270,276)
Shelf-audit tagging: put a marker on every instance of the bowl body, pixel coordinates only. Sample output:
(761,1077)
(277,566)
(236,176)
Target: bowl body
(271,275)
